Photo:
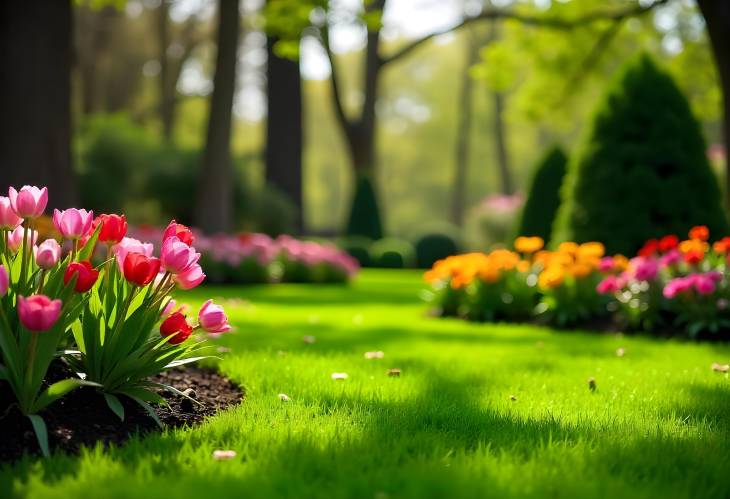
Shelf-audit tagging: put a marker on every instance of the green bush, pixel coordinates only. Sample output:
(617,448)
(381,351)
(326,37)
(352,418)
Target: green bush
(392,253)
(433,247)
(543,199)
(365,216)
(358,248)
(642,170)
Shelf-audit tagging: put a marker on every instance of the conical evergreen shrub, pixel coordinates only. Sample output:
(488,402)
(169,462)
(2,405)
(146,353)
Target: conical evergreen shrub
(642,170)
(543,199)
(365,216)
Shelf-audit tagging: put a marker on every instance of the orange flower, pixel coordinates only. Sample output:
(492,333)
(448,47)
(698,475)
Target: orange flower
(620,263)
(523,266)
(590,251)
(722,246)
(568,247)
(529,245)
(700,232)
(581,269)
(693,245)
(552,277)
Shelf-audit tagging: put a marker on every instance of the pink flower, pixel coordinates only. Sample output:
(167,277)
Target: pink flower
(73,223)
(610,285)
(213,319)
(4,280)
(48,254)
(130,245)
(645,269)
(177,257)
(29,202)
(671,258)
(606,264)
(677,286)
(704,283)
(190,278)
(169,308)
(38,312)
(9,220)
(15,238)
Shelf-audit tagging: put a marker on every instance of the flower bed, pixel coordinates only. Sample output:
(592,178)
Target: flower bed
(114,324)
(669,286)
(257,258)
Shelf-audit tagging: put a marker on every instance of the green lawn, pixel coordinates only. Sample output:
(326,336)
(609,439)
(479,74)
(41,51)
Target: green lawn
(657,425)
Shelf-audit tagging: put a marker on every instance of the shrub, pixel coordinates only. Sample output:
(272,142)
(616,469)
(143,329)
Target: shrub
(642,169)
(364,217)
(493,219)
(433,247)
(392,253)
(358,247)
(543,199)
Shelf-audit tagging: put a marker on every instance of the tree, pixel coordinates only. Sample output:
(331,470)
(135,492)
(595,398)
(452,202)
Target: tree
(642,170)
(35,93)
(215,196)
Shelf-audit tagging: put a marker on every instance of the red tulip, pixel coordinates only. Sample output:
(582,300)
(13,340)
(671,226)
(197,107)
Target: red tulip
(113,228)
(176,326)
(650,247)
(182,232)
(700,232)
(668,243)
(140,269)
(86,275)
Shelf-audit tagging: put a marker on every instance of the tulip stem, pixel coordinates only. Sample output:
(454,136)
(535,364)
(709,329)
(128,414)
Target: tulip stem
(107,271)
(6,250)
(31,360)
(24,249)
(73,250)
(42,281)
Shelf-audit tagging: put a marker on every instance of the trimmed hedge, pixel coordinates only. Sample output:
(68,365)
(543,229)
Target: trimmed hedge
(364,217)
(433,247)
(392,253)
(642,170)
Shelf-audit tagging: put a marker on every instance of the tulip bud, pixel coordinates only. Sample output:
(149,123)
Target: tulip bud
(213,319)
(73,223)
(176,326)
(48,254)
(38,312)
(86,275)
(9,220)
(4,280)
(140,269)
(29,202)
(182,232)
(113,228)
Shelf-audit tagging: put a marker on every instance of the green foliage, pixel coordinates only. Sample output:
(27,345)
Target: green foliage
(433,247)
(392,253)
(642,170)
(543,199)
(365,216)
(358,247)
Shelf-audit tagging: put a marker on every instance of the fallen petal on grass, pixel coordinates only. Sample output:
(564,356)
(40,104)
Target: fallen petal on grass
(394,372)
(224,455)
(620,352)
(374,355)
(339,375)
(720,368)
(284,397)
(309,339)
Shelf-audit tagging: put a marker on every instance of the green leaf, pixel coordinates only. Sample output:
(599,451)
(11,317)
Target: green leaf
(182,362)
(41,433)
(88,248)
(58,390)
(115,405)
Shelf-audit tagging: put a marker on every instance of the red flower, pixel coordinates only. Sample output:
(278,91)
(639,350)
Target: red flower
(650,247)
(182,232)
(694,257)
(668,243)
(700,232)
(113,228)
(176,326)
(140,269)
(86,275)
(722,246)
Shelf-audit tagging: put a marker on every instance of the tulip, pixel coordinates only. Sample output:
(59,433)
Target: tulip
(182,232)
(176,256)
(15,238)
(29,202)
(86,275)
(213,319)
(169,308)
(130,245)
(4,280)
(9,220)
(73,223)
(191,278)
(113,228)
(48,254)
(38,312)
(176,326)
(140,269)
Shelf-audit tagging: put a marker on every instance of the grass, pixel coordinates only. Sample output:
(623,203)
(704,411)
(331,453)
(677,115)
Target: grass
(656,426)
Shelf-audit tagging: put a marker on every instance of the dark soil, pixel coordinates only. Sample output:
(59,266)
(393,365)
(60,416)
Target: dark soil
(83,418)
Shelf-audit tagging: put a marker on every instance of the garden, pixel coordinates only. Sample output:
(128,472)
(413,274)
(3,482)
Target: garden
(364,249)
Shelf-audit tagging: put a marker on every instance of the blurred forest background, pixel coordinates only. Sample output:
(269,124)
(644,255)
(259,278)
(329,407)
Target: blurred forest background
(462,98)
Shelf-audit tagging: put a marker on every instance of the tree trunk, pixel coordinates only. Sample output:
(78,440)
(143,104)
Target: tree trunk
(363,140)
(284,136)
(35,93)
(717,19)
(166,91)
(463,134)
(500,145)
(214,211)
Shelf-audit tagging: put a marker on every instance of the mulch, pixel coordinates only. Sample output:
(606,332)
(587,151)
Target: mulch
(82,417)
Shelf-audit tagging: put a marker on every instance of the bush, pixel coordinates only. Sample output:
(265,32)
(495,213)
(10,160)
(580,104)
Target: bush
(365,216)
(543,199)
(433,247)
(392,253)
(642,169)
(358,248)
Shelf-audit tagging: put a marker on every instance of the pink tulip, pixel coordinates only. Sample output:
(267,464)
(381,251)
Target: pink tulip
(704,284)
(29,202)
(73,223)
(677,286)
(4,280)
(48,254)
(610,285)
(130,245)
(9,220)
(213,319)
(190,278)
(38,312)
(15,238)
(645,269)
(177,257)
